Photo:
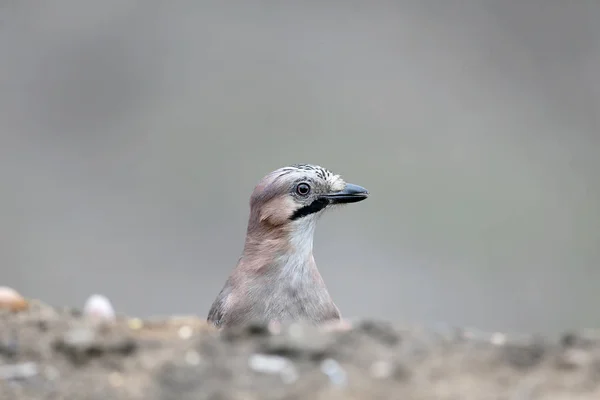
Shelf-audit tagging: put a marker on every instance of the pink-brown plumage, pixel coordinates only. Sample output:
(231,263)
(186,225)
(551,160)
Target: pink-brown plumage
(276,278)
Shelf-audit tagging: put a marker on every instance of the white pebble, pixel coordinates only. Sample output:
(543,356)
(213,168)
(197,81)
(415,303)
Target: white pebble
(18,371)
(185,332)
(498,339)
(79,337)
(99,307)
(267,364)
(334,371)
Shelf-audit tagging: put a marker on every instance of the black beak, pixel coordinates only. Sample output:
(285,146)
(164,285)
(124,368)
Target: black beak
(350,194)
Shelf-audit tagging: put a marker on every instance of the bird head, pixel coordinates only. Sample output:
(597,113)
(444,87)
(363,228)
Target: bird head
(296,195)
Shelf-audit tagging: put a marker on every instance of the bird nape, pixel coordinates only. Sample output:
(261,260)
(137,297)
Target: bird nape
(276,279)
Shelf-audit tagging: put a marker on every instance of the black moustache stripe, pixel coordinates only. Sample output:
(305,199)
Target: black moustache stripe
(312,208)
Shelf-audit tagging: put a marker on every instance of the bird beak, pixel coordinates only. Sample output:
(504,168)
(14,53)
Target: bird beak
(350,194)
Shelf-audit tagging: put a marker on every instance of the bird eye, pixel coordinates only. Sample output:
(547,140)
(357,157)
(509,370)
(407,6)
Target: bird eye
(303,189)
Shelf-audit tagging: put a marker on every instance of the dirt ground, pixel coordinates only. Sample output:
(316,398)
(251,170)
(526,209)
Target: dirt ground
(46,353)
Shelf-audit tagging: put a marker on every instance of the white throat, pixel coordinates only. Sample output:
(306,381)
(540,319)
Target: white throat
(299,260)
(302,234)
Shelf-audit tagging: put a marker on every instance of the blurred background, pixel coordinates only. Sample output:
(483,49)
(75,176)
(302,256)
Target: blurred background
(133,132)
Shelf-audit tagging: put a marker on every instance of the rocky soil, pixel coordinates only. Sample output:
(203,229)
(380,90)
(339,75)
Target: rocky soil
(49,353)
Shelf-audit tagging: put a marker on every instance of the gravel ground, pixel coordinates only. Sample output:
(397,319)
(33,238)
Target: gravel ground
(49,353)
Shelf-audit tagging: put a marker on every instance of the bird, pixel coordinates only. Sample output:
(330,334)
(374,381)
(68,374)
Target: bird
(276,279)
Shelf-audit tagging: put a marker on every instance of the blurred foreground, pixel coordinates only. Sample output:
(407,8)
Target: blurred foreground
(47,353)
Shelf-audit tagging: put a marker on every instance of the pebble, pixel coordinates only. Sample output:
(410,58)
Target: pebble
(267,363)
(575,358)
(135,323)
(11,300)
(185,332)
(337,375)
(18,371)
(99,307)
(271,364)
(79,338)
(498,339)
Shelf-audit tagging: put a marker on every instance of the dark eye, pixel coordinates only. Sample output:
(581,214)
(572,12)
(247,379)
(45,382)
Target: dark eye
(303,189)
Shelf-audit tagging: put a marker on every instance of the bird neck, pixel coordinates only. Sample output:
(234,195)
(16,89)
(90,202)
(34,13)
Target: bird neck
(285,250)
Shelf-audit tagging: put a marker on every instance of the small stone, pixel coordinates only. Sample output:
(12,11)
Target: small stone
(83,343)
(335,372)
(9,344)
(382,331)
(270,364)
(11,300)
(18,371)
(185,332)
(524,354)
(99,307)
(135,323)
(498,339)
(298,340)
(584,339)
(575,358)
(267,363)
(79,338)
